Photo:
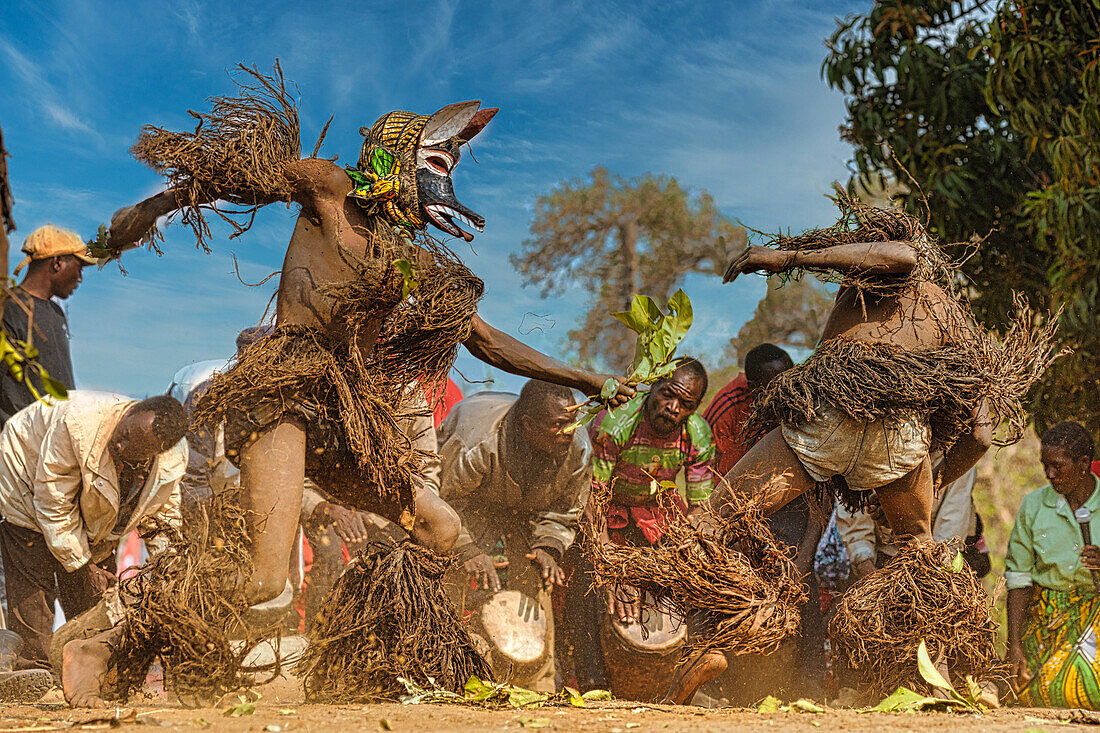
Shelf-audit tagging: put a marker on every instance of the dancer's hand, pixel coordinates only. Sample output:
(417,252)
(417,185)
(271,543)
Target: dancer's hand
(756,258)
(483,572)
(1017,662)
(552,573)
(595,382)
(623,603)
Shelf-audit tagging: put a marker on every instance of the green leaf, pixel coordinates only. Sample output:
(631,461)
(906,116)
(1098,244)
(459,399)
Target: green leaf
(53,387)
(905,700)
(928,670)
(631,321)
(521,698)
(588,416)
(575,698)
(408,274)
(535,722)
(680,316)
(241,708)
(381,161)
(958,563)
(769,704)
(610,388)
(902,699)
(477,690)
(806,706)
(597,695)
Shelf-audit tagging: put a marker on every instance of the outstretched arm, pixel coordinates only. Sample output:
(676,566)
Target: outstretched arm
(129,224)
(305,178)
(498,349)
(863,258)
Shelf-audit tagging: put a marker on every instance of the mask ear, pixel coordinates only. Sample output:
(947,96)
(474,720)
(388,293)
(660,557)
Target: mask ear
(478,123)
(448,122)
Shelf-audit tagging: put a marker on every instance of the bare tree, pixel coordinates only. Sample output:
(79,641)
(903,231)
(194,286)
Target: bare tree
(616,237)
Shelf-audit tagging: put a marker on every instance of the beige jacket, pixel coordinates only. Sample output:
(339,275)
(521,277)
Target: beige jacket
(477,480)
(57,477)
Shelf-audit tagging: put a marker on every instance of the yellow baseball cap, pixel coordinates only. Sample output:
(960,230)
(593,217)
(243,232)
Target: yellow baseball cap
(50,241)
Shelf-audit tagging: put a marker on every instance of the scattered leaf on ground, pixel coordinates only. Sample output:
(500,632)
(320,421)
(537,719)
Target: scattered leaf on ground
(806,706)
(384,724)
(241,708)
(535,722)
(769,704)
(594,695)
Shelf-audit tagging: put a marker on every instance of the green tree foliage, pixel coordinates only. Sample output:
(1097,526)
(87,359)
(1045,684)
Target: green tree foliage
(617,237)
(989,114)
(791,314)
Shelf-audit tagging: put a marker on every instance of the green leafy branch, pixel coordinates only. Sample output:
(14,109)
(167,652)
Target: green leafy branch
(20,359)
(655,352)
(905,700)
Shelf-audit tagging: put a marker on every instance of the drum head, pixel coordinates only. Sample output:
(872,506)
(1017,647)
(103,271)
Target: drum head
(517,626)
(663,628)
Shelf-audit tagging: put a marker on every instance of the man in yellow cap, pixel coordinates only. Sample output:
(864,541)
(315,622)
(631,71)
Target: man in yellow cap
(54,260)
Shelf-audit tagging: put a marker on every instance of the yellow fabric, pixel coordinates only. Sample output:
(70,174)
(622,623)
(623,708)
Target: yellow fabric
(1059,640)
(57,477)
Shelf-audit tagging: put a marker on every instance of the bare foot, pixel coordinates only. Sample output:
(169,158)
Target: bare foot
(693,674)
(83,667)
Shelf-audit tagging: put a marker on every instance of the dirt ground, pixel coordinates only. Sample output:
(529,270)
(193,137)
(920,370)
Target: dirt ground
(280,710)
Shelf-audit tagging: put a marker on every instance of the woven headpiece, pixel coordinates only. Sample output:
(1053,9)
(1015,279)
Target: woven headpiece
(377,177)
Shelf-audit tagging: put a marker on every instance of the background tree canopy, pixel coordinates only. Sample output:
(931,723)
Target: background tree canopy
(617,237)
(989,114)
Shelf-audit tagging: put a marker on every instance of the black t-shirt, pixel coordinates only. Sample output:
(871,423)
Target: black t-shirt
(50,337)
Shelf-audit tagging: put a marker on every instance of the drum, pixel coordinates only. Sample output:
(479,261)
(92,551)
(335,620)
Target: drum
(517,628)
(640,658)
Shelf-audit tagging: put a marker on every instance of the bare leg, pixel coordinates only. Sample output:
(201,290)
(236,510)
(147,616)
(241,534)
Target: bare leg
(907,503)
(84,666)
(272,472)
(693,674)
(770,467)
(437,524)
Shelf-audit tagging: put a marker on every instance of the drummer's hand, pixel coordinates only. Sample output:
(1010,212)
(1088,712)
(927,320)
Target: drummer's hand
(348,524)
(623,603)
(552,574)
(1090,557)
(483,572)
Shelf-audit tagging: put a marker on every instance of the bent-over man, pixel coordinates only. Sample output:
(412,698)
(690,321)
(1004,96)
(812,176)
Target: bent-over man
(518,483)
(74,478)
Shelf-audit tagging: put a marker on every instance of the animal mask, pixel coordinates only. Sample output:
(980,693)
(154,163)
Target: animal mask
(405,165)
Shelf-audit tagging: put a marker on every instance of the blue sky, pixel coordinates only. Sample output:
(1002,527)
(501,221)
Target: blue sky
(726,96)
